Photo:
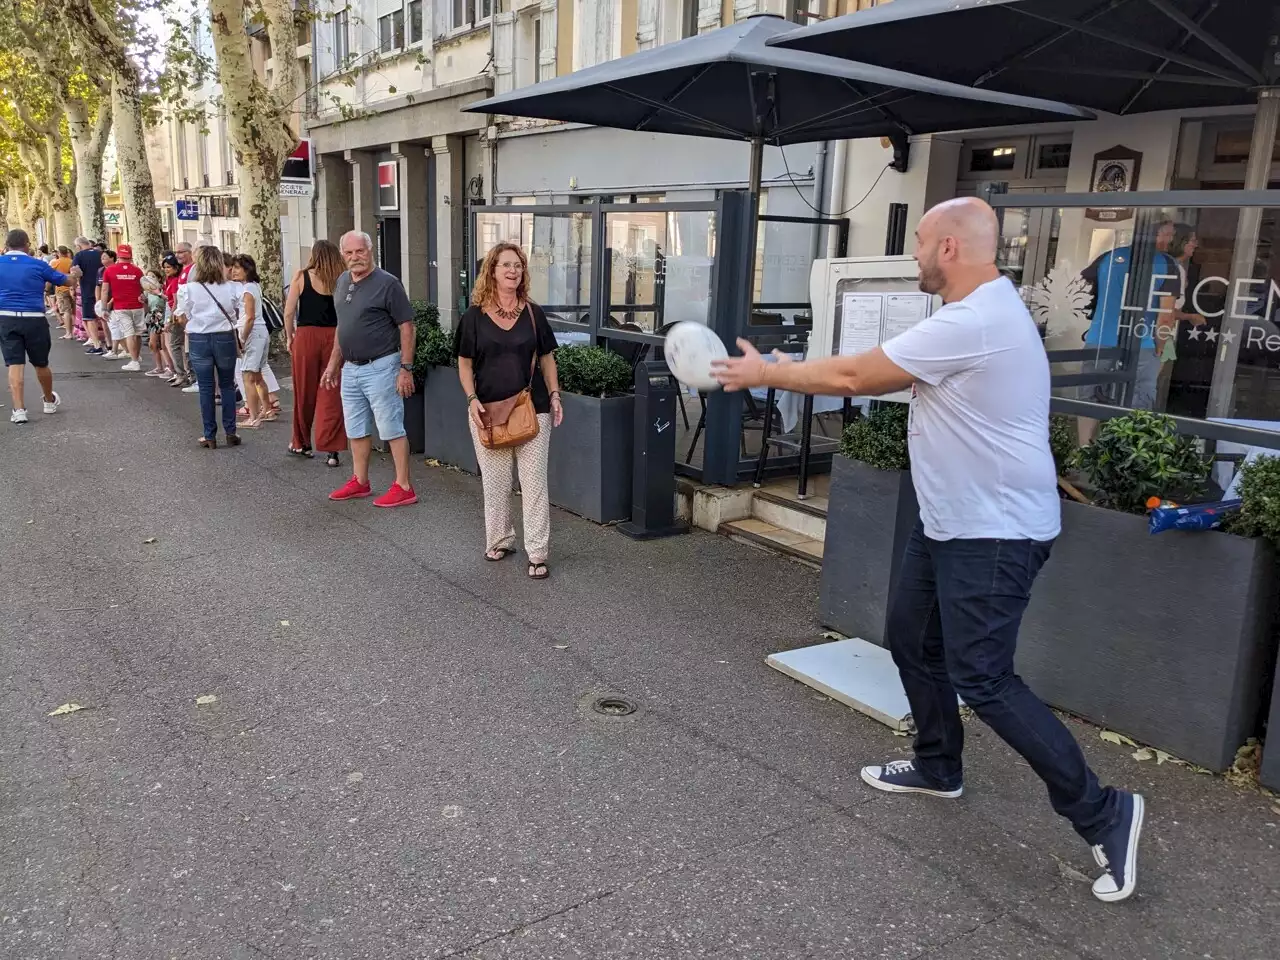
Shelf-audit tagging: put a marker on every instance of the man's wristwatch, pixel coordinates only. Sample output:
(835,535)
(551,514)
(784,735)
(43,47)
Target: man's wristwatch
(407,367)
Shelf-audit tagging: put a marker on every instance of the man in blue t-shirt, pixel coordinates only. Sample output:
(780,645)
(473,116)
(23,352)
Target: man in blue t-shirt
(89,259)
(1109,275)
(24,328)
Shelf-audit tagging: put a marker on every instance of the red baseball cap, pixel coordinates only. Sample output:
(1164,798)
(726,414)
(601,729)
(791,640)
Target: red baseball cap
(124,251)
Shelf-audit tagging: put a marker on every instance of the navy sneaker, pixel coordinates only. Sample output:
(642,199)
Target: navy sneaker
(1118,852)
(901,776)
(93,351)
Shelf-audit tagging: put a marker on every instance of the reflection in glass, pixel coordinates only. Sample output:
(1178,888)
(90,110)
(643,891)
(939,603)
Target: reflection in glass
(1215,336)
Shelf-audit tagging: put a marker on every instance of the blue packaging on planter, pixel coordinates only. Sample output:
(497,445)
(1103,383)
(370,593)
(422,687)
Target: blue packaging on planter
(1196,516)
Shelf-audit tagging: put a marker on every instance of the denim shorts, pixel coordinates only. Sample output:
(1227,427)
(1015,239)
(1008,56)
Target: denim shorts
(369,397)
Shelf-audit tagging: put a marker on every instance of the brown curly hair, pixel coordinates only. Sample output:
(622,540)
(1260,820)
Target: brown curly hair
(485,292)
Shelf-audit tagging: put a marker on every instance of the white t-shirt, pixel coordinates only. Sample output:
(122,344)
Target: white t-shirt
(979,427)
(204,304)
(254,290)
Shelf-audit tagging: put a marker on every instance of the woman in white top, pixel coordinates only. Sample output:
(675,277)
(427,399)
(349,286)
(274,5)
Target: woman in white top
(254,340)
(208,308)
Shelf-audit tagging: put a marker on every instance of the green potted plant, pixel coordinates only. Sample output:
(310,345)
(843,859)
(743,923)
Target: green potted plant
(589,471)
(426,318)
(872,510)
(1163,637)
(447,435)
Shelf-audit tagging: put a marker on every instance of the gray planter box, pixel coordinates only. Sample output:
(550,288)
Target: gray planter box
(1269,775)
(590,468)
(869,517)
(446,436)
(414,425)
(1168,638)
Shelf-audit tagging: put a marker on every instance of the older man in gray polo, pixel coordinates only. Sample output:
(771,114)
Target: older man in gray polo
(373,359)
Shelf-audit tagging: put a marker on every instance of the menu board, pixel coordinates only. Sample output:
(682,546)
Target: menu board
(869,319)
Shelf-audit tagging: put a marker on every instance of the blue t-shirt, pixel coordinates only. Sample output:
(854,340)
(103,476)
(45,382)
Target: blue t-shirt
(90,264)
(22,280)
(1112,277)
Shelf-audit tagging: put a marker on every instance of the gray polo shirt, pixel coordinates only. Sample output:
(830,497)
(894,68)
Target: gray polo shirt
(370,312)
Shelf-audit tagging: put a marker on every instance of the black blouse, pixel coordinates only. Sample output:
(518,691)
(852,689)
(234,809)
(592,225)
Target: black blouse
(501,358)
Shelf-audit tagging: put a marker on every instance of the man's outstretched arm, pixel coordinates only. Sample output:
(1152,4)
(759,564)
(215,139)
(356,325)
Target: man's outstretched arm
(869,374)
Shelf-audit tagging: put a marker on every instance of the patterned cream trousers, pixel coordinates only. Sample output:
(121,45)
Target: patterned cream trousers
(495,472)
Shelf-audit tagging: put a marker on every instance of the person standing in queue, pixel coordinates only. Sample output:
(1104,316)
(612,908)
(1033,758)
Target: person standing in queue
(126,305)
(24,328)
(310,325)
(208,307)
(88,260)
(505,346)
(989,512)
(372,359)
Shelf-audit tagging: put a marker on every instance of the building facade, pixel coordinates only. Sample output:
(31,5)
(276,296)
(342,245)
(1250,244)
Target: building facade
(194,156)
(397,159)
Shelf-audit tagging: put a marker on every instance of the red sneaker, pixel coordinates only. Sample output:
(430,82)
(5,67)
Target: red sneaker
(353,489)
(396,496)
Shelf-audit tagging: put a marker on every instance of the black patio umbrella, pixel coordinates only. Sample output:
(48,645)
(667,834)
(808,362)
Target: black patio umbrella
(1121,56)
(729,83)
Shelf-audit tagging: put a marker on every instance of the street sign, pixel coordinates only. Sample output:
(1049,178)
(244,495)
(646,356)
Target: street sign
(113,218)
(187,209)
(297,166)
(290,189)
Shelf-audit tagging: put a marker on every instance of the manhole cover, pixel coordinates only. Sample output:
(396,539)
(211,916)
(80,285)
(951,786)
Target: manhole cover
(613,706)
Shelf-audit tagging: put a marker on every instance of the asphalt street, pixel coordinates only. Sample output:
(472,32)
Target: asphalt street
(402,761)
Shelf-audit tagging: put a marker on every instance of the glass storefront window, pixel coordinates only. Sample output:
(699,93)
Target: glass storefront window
(660,267)
(1198,315)
(558,246)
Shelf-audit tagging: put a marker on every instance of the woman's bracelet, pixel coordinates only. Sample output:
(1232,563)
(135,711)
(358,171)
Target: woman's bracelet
(555,393)
(470,397)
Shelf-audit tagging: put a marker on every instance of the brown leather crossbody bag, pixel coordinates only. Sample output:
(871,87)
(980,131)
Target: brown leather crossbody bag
(513,421)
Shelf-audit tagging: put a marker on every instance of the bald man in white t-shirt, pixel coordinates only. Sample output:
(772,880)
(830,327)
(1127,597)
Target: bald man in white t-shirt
(989,513)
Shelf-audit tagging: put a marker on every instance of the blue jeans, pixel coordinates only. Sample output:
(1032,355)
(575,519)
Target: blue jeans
(952,629)
(370,398)
(215,354)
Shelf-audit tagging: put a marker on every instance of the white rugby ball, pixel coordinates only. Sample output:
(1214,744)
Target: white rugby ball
(689,349)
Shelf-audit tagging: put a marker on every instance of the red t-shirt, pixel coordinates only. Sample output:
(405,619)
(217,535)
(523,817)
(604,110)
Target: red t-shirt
(171,285)
(125,280)
(182,277)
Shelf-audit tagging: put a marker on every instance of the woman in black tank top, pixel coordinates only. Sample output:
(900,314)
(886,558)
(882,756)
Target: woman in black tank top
(310,325)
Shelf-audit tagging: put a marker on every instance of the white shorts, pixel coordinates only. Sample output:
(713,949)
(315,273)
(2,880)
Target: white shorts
(128,323)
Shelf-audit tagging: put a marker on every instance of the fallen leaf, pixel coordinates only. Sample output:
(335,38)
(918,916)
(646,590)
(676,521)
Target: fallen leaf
(1071,873)
(1145,753)
(149,540)
(832,635)
(66,708)
(29,522)
(1161,757)
(900,733)
(1276,811)
(561,646)
(355,777)
(207,699)
(1117,738)
(284,623)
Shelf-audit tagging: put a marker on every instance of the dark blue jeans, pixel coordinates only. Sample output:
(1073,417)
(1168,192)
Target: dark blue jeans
(952,629)
(214,355)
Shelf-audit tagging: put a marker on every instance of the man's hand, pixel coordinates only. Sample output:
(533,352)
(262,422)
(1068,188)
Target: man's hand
(746,371)
(329,379)
(404,384)
(75,273)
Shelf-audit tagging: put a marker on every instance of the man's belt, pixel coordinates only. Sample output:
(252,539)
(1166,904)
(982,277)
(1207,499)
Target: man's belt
(21,313)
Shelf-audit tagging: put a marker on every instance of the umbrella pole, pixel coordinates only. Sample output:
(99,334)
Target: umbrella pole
(754,175)
(1257,173)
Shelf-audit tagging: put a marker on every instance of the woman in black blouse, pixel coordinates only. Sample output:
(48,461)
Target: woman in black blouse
(497,342)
